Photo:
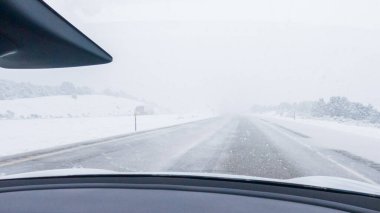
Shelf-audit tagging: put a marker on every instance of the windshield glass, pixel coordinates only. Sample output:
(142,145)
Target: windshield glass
(279,89)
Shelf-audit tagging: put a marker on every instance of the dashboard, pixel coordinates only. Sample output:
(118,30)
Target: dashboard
(172,194)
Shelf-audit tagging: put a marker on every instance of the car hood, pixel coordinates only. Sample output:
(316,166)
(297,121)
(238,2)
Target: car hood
(325,182)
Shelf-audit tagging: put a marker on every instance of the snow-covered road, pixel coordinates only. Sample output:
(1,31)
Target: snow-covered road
(242,145)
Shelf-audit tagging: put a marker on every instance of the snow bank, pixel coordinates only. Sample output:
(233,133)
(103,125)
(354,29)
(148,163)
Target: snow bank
(358,140)
(18,136)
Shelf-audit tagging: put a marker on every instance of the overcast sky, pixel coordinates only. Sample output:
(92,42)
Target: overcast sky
(226,54)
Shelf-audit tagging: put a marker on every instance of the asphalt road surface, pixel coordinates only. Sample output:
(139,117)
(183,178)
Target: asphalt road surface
(240,145)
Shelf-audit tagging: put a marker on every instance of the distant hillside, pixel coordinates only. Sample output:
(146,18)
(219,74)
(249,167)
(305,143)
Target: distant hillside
(26,100)
(12,90)
(67,106)
(337,108)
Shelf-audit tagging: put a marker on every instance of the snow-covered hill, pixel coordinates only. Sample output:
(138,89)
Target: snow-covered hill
(65,106)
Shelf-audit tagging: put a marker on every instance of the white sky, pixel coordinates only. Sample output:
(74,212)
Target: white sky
(226,54)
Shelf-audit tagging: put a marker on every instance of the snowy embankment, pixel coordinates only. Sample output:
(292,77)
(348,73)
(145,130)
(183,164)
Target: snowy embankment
(63,120)
(363,141)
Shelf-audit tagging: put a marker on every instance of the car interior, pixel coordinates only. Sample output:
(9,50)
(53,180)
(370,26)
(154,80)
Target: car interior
(33,35)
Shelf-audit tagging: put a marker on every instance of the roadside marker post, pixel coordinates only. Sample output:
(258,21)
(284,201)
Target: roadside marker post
(135,122)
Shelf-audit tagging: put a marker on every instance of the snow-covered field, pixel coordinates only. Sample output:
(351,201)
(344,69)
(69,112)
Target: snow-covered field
(61,120)
(363,141)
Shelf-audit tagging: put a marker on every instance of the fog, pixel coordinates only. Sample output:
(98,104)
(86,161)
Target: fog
(226,55)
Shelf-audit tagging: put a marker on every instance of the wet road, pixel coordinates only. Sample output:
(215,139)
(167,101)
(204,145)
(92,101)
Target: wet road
(241,145)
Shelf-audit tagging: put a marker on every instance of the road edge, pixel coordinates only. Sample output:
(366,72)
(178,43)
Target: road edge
(15,158)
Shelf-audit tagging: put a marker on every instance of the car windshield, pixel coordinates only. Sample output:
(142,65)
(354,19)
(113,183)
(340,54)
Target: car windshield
(282,90)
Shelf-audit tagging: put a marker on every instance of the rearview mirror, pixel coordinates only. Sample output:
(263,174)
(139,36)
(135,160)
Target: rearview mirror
(33,35)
